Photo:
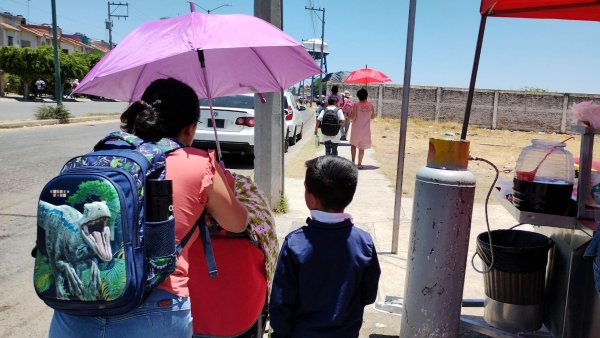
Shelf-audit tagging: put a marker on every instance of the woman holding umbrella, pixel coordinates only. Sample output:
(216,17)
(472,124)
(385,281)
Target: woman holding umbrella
(169,108)
(360,135)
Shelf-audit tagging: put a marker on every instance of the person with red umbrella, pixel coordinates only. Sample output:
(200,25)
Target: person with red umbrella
(360,135)
(363,111)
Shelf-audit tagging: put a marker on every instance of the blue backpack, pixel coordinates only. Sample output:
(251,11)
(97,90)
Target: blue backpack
(95,253)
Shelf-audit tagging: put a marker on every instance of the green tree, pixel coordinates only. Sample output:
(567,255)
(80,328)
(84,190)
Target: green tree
(533,89)
(29,64)
(32,64)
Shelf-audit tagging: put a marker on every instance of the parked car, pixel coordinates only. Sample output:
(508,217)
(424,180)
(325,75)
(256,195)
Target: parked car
(234,117)
(295,117)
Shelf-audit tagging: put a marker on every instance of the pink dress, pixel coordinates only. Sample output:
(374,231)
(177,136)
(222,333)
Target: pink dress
(360,132)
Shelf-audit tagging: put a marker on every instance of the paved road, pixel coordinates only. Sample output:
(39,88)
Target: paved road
(11,109)
(30,157)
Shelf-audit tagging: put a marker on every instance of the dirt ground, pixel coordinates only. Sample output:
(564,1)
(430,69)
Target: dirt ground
(501,147)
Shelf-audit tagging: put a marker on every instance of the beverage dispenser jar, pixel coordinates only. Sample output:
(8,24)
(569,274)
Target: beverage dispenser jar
(543,179)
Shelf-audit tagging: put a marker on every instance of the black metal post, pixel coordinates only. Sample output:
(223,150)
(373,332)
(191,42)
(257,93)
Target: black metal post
(403,121)
(463,135)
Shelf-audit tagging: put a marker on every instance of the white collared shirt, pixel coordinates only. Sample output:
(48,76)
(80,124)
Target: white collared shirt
(329,217)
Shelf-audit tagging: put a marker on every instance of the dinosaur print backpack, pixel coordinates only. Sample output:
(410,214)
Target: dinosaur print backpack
(95,253)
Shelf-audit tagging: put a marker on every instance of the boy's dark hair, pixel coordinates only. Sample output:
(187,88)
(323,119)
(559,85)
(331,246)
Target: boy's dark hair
(332,180)
(332,100)
(362,94)
(334,90)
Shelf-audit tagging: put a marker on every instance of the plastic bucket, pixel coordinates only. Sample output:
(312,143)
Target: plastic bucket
(516,283)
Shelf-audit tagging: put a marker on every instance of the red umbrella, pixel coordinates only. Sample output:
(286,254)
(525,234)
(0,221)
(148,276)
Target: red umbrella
(367,75)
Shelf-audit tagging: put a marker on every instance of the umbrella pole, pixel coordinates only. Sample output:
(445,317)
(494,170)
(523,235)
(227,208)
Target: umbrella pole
(210,104)
(463,135)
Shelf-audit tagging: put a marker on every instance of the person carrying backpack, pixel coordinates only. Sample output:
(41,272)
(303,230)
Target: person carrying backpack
(166,115)
(330,121)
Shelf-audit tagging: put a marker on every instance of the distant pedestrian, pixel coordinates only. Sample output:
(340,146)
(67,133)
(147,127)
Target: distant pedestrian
(40,87)
(334,93)
(330,121)
(346,106)
(74,85)
(360,135)
(327,270)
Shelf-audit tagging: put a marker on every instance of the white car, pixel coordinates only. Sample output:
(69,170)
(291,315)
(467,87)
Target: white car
(234,117)
(296,117)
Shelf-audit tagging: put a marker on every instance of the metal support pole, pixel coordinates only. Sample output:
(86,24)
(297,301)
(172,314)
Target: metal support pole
(57,81)
(403,120)
(463,135)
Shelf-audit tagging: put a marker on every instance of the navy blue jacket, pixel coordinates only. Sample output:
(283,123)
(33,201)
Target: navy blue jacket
(326,274)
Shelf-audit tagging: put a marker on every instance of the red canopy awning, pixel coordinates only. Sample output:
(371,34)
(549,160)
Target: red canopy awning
(543,9)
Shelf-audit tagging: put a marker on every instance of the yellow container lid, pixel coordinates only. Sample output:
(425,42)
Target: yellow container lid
(448,154)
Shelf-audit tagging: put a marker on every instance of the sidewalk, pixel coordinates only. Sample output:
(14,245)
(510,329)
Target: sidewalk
(373,210)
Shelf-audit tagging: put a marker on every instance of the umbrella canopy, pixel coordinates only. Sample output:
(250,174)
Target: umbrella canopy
(239,54)
(543,9)
(366,75)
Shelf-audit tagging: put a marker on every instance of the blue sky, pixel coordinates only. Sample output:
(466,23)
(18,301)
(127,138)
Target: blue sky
(553,55)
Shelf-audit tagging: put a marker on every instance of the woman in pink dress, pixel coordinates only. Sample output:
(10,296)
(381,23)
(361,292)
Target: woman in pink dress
(360,132)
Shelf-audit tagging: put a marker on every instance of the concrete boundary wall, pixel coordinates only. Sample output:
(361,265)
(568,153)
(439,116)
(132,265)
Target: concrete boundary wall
(495,109)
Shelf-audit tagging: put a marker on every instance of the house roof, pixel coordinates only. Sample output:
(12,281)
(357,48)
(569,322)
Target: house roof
(9,27)
(36,31)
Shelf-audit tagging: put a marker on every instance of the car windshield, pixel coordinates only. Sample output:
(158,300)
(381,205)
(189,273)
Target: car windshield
(235,101)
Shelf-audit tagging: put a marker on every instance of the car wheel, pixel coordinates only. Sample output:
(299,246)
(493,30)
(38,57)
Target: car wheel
(286,145)
(292,139)
(299,136)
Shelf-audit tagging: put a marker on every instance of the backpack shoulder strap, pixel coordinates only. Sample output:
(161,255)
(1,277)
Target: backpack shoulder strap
(205,237)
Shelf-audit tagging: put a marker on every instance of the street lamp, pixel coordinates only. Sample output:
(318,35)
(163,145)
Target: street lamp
(209,10)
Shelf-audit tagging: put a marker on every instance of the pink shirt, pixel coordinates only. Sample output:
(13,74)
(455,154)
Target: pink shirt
(191,171)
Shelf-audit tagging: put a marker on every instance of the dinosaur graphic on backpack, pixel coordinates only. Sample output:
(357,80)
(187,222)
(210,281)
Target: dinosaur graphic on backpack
(96,252)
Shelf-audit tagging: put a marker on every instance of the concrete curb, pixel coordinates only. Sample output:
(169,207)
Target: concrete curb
(36,123)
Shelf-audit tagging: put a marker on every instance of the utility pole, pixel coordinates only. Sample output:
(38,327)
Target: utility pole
(268,132)
(109,22)
(57,82)
(322,44)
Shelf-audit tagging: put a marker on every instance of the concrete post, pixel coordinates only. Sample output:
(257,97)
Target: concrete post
(268,132)
(380,101)
(563,121)
(438,103)
(495,111)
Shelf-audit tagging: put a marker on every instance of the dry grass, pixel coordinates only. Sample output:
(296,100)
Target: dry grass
(501,147)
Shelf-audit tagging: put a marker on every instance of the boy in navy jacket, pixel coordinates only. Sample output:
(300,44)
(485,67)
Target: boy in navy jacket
(328,270)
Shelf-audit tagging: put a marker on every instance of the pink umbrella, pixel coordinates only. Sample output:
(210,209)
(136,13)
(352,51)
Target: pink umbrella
(217,55)
(242,54)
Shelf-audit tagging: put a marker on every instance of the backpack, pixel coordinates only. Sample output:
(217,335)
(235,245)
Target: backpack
(96,255)
(330,125)
(347,106)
